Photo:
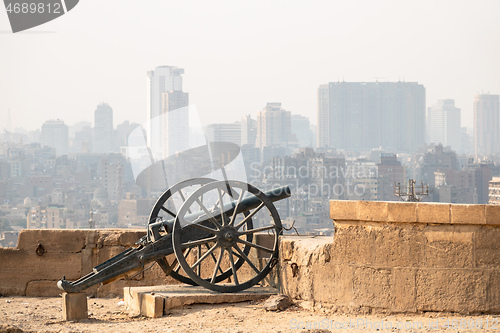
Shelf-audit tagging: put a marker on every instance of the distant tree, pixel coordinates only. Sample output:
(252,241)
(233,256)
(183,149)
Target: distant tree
(5,226)
(18,222)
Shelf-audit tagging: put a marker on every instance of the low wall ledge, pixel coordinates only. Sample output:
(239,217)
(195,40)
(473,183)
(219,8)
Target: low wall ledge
(414,212)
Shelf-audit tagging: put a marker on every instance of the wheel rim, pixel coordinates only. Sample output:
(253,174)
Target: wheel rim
(164,209)
(227,235)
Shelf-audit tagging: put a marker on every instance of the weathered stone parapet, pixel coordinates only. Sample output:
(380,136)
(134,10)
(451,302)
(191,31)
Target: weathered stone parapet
(70,253)
(399,257)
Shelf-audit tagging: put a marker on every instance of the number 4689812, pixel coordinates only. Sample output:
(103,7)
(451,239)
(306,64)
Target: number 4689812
(34,7)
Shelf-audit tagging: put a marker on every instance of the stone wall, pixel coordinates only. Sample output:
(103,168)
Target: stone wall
(70,253)
(398,257)
(74,253)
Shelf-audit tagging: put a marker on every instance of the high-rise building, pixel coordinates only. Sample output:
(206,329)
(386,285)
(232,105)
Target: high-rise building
(55,134)
(390,172)
(301,128)
(169,127)
(112,176)
(366,115)
(248,131)
(486,124)
(443,124)
(102,134)
(224,133)
(494,191)
(273,126)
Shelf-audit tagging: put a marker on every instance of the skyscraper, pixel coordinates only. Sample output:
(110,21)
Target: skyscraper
(248,130)
(55,134)
(169,131)
(486,126)
(443,124)
(273,126)
(102,134)
(366,115)
(301,128)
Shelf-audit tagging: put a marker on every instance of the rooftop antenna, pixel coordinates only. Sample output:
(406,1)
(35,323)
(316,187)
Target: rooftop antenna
(411,194)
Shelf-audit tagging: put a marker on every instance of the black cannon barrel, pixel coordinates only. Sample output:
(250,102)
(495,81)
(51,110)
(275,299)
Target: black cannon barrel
(247,204)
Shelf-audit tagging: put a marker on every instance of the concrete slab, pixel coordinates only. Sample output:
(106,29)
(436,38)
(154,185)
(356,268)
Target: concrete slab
(154,301)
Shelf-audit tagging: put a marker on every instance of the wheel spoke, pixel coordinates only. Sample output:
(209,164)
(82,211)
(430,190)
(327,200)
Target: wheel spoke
(244,256)
(168,211)
(251,231)
(210,216)
(200,241)
(221,208)
(217,265)
(201,226)
(236,208)
(256,246)
(249,216)
(198,268)
(200,259)
(213,257)
(184,199)
(231,260)
(185,253)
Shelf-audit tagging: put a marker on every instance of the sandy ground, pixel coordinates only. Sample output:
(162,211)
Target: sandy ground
(23,314)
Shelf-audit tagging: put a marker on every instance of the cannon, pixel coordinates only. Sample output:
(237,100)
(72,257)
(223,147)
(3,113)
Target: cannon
(211,227)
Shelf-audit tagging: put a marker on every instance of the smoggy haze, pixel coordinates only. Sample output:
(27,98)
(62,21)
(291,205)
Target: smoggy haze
(239,56)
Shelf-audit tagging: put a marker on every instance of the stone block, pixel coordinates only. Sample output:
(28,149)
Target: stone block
(452,290)
(343,210)
(88,261)
(286,247)
(43,289)
(108,252)
(487,247)
(354,243)
(372,287)
(20,267)
(404,289)
(53,240)
(449,247)
(397,245)
(493,300)
(152,306)
(372,211)
(74,306)
(109,238)
(148,301)
(401,211)
(468,214)
(129,237)
(332,284)
(492,214)
(433,212)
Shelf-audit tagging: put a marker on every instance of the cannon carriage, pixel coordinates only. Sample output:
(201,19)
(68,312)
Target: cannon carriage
(211,227)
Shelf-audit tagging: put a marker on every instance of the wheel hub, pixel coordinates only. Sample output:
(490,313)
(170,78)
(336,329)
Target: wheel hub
(228,236)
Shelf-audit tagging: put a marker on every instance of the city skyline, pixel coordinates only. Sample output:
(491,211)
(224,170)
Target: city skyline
(229,73)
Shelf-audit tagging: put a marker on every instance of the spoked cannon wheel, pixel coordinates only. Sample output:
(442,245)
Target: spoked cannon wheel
(165,209)
(228,234)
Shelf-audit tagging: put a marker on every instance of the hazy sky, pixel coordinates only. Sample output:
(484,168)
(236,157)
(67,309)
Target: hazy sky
(239,55)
